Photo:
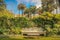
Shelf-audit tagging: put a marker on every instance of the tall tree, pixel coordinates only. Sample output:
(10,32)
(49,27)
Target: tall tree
(21,7)
(27,11)
(39,10)
(48,5)
(30,11)
(59,2)
(2,5)
(33,9)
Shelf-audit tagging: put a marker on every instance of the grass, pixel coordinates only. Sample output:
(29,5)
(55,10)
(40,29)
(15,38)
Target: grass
(38,38)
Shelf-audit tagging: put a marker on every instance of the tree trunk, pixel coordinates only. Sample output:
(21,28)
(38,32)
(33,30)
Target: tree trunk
(56,11)
(19,13)
(22,13)
(29,15)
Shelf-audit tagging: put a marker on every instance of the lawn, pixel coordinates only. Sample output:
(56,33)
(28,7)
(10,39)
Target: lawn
(38,38)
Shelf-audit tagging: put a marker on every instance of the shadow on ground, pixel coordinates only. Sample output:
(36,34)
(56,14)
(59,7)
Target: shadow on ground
(8,38)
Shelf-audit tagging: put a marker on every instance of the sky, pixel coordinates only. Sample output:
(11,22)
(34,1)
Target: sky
(12,4)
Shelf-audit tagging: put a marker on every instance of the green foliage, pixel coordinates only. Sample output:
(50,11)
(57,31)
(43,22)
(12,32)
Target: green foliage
(23,22)
(6,13)
(49,22)
(13,25)
(2,5)
(48,5)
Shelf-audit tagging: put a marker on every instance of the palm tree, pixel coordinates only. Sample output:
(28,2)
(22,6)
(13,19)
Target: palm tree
(21,7)
(33,9)
(27,11)
(30,11)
